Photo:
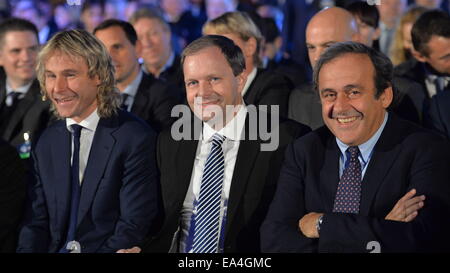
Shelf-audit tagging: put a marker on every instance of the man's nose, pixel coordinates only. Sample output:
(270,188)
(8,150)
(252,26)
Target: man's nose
(205,88)
(60,84)
(341,103)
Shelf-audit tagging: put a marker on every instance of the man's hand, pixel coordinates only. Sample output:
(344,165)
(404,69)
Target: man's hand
(130,250)
(308,224)
(407,207)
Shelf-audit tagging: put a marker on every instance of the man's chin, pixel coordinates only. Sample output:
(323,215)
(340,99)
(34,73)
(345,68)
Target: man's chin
(28,77)
(204,117)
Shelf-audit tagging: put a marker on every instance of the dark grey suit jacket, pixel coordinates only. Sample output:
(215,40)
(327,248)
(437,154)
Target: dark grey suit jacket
(31,115)
(154,101)
(270,88)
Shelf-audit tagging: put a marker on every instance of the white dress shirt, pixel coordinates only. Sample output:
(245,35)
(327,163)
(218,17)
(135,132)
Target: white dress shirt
(233,132)
(365,149)
(87,136)
(22,90)
(131,90)
(435,83)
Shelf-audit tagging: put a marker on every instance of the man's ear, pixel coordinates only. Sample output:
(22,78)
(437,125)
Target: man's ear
(419,56)
(241,81)
(387,97)
(97,80)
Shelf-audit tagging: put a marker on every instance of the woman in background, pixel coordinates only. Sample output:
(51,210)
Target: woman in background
(401,47)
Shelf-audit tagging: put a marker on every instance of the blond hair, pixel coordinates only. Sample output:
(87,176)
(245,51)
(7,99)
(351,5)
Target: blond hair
(398,54)
(238,23)
(81,44)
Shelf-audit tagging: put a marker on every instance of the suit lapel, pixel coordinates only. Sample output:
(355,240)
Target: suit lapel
(184,163)
(247,153)
(61,151)
(329,174)
(102,145)
(380,164)
(141,99)
(249,96)
(22,108)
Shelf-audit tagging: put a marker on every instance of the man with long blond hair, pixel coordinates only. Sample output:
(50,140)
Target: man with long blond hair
(95,167)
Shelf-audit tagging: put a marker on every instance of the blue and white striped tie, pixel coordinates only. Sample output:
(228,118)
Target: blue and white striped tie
(206,233)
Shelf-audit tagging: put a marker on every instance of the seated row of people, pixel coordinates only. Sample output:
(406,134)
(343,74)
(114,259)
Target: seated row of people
(232,180)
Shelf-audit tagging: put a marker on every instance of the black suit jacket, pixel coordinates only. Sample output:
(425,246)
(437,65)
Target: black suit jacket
(305,106)
(297,74)
(31,115)
(12,196)
(405,157)
(438,115)
(154,101)
(252,187)
(269,88)
(174,74)
(414,71)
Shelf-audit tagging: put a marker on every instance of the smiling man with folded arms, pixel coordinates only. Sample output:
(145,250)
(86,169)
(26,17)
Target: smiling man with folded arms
(365,175)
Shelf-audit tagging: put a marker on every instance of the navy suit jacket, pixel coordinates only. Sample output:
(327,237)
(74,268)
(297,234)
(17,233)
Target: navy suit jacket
(438,115)
(405,157)
(118,194)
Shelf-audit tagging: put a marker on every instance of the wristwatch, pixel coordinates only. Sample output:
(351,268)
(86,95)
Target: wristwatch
(319,223)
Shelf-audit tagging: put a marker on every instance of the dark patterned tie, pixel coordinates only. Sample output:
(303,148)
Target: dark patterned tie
(348,194)
(75,186)
(206,233)
(124,105)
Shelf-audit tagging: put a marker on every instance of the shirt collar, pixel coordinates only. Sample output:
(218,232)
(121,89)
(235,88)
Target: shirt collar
(433,75)
(249,81)
(90,123)
(22,89)
(132,88)
(366,148)
(233,129)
